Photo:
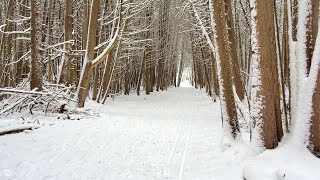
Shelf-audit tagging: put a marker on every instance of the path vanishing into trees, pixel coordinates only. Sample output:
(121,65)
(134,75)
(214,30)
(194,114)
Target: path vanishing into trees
(173,134)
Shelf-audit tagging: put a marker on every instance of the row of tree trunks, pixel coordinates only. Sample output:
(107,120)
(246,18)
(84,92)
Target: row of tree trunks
(63,48)
(229,113)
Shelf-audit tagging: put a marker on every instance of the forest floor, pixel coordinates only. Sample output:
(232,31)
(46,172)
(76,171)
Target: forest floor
(174,134)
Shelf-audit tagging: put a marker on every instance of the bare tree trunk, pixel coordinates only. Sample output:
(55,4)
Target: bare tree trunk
(315,120)
(106,78)
(85,22)
(6,47)
(312,32)
(206,73)
(233,43)
(294,16)
(36,34)
(141,73)
(95,82)
(64,71)
(215,83)
(49,64)
(148,71)
(89,55)
(264,112)
(226,93)
(285,66)
(314,144)
(277,89)
(126,79)
(181,66)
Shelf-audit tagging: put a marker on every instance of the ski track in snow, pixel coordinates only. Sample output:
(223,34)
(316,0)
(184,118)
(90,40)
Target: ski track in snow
(173,134)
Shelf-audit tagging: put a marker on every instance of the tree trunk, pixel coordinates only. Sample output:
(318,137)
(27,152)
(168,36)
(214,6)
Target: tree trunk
(312,32)
(294,16)
(315,120)
(263,103)
(233,43)
(89,55)
(36,35)
(64,72)
(285,66)
(226,94)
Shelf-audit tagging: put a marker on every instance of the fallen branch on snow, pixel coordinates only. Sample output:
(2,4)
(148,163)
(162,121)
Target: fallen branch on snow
(53,98)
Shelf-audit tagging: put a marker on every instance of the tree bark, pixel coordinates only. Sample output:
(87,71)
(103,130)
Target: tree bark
(226,93)
(265,100)
(64,72)
(233,43)
(315,120)
(312,26)
(36,35)
(89,55)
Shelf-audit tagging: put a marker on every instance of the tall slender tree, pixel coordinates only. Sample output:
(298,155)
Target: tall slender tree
(36,80)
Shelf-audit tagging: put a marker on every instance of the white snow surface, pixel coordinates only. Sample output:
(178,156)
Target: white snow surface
(174,134)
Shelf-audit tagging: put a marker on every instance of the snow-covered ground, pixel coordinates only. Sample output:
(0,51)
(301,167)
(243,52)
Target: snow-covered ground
(175,134)
(169,135)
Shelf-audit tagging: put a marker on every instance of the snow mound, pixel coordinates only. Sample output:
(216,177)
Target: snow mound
(284,163)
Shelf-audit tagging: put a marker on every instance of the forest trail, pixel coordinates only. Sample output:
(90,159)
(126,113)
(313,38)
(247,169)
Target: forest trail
(173,134)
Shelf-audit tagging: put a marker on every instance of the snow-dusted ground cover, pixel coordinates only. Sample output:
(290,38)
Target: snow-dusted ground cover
(175,134)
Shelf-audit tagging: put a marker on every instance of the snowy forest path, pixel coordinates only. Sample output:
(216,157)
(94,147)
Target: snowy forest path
(173,134)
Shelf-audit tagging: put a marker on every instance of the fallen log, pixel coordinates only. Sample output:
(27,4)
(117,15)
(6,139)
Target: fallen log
(17,129)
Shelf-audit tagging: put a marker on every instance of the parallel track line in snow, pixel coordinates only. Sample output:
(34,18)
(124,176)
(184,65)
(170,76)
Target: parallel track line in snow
(174,147)
(185,152)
